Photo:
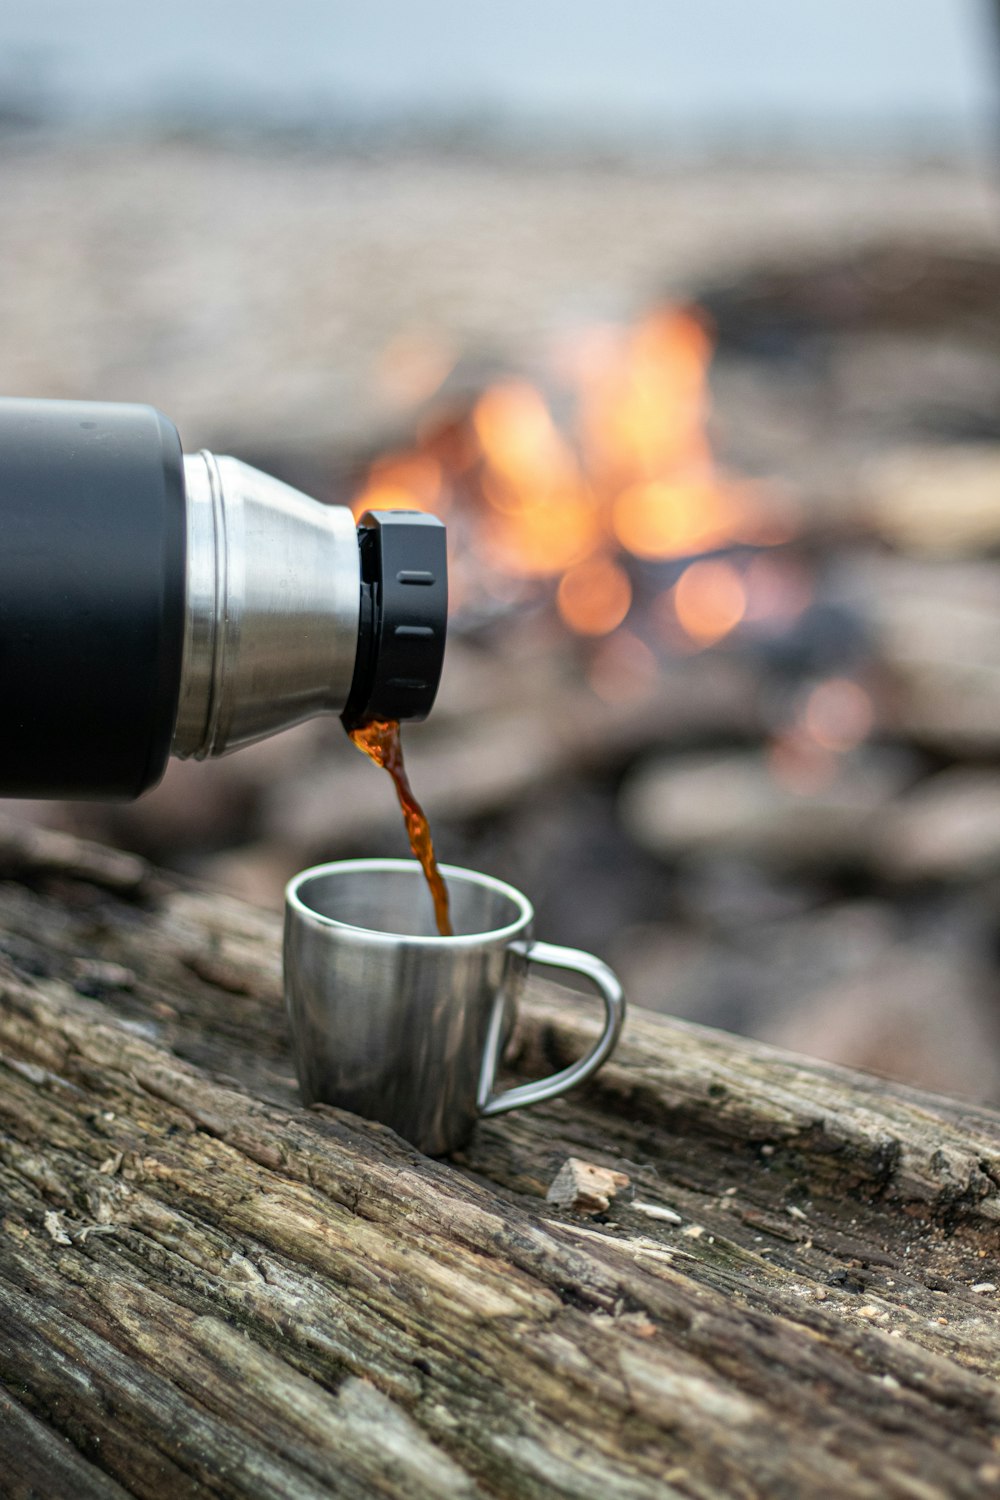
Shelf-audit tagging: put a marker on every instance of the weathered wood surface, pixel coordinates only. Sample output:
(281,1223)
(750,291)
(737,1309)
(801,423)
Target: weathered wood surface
(208,1291)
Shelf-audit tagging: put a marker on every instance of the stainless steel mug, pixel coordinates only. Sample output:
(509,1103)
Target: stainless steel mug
(397,1024)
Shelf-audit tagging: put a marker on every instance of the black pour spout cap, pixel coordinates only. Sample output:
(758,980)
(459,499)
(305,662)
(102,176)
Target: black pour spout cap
(404,617)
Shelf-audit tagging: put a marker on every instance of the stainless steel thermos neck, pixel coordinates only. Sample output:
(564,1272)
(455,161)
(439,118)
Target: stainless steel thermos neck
(155,603)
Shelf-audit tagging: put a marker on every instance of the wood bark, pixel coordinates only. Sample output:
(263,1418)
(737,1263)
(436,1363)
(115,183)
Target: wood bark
(206,1290)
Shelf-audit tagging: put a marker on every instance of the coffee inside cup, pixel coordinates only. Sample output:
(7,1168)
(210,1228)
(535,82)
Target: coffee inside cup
(397,901)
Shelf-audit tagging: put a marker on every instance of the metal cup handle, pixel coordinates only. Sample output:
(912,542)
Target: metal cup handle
(605,981)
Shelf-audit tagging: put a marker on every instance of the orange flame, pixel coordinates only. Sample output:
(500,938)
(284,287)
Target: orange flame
(633,474)
(644,412)
(709,601)
(594,596)
(519,439)
(403,481)
(664,518)
(545,518)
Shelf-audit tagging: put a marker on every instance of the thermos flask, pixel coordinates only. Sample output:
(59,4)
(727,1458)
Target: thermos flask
(156,603)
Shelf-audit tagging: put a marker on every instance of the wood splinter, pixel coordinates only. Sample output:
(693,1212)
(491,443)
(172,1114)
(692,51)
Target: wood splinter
(585,1188)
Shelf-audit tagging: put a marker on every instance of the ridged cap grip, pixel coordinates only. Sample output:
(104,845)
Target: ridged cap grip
(404,616)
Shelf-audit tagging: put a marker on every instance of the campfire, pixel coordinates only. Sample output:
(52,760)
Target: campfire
(598,495)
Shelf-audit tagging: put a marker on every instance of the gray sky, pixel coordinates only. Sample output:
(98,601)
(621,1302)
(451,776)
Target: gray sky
(648,64)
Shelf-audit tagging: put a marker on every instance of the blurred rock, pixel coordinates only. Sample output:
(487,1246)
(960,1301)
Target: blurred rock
(909,996)
(724,891)
(736,802)
(916,1015)
(757,977)
(671,968)
(946,828)
(937,628)
(938,501)
(257,873)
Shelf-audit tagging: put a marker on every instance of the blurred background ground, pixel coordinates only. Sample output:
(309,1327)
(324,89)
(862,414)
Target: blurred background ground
(691,326)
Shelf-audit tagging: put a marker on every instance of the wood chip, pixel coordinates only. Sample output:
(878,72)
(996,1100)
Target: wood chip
(585,1188)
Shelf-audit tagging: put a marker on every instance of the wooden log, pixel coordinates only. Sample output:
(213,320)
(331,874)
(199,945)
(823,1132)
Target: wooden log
(207,1290)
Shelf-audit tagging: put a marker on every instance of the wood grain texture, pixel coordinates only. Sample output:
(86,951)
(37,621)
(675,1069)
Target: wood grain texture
(207,1291)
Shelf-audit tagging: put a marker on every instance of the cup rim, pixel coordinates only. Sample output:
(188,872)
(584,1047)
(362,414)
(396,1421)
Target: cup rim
(294,903)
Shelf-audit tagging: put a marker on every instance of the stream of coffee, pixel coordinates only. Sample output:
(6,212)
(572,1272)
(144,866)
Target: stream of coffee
(380,741)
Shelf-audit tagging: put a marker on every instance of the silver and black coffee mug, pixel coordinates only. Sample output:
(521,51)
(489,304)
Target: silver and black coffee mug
(397,1024)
